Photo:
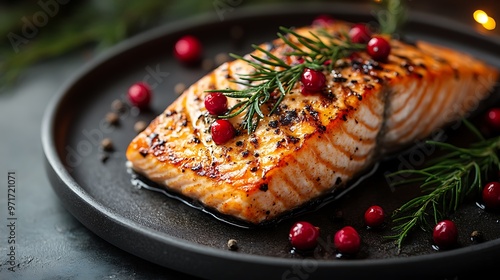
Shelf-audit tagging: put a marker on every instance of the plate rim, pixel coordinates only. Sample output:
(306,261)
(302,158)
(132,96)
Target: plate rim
(55,166)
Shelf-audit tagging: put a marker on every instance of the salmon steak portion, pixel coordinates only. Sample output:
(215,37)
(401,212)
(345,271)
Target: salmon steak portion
(312,144)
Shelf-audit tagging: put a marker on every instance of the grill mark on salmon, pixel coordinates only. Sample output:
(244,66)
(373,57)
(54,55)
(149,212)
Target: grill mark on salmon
(405,123)
(427,106)
(433,111)
(313,144)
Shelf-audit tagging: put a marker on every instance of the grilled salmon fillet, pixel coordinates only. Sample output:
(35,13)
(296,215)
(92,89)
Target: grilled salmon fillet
(314,143)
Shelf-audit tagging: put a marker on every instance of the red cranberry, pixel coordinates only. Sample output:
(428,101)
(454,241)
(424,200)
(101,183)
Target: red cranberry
(216,103)
(493,118)
(491,195)
(360,34)
(139,95)
(445,234)
(378,48)
(222,131)
(374,216)
(303,236)
(312,80)
(188,49)
(323,20)
(347,240)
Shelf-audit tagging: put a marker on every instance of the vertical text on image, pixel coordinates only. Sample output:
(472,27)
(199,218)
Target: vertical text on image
(11,220)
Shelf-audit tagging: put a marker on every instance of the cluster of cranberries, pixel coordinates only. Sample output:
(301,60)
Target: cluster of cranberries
(139,95)
(491,191)
(445,233)
(187,50)
(222,130)
(304,236)
(376,46)
(313,81)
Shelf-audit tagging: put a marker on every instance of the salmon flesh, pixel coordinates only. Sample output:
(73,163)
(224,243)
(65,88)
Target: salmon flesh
(313,144)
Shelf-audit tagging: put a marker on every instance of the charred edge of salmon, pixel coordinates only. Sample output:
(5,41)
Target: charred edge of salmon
(371,114)
(307,207)
(269,188)
(270,185)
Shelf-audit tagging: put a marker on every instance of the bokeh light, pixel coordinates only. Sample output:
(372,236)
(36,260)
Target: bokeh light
(480,16)
(490,24)
(486,21)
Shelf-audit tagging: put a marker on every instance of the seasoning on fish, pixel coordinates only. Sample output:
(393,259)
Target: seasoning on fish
(313,143)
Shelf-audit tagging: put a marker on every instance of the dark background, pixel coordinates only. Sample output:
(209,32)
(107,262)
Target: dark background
(51,244)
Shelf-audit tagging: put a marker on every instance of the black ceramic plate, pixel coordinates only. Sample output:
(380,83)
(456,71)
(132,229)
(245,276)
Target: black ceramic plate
(167,232)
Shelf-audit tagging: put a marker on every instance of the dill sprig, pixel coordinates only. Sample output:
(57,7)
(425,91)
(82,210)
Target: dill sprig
(273,77)
(445,183)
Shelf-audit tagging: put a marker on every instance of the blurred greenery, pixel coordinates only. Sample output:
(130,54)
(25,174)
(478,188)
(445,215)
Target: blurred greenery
(36,30)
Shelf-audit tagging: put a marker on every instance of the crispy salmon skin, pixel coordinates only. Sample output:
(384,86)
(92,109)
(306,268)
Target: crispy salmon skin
(313,143)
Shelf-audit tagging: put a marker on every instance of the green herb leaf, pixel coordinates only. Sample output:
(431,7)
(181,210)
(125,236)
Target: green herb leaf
(445,183)
(273,75)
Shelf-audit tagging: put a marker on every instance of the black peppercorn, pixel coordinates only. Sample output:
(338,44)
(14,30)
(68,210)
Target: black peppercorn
(232,244)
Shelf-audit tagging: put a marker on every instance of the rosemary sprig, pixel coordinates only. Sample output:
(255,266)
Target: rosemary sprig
(274,78)
(445,184)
